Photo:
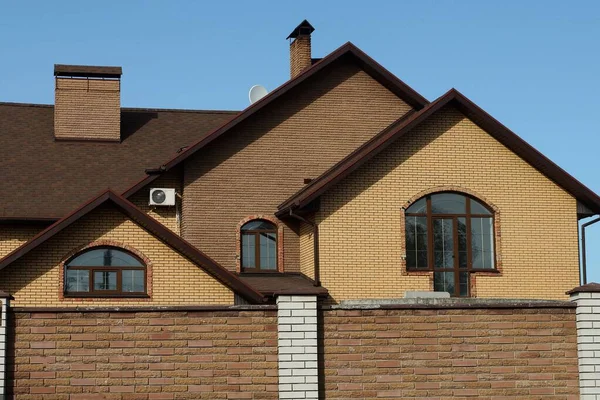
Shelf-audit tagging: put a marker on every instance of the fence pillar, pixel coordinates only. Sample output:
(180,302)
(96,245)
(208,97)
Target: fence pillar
(587,298)
(4,303)
(297,347)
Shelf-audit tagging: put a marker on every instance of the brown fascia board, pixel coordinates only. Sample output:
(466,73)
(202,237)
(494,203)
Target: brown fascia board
(377,71)
(151,225)
(404,125)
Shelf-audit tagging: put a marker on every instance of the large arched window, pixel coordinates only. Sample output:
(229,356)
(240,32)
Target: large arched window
(259,246)
(450,234)
(105,271)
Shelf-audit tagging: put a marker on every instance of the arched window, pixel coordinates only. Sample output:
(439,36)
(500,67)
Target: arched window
(105,271)
(259,246)
(450,234)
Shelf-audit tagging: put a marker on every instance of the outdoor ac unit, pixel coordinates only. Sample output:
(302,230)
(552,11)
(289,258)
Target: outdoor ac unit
(162,197)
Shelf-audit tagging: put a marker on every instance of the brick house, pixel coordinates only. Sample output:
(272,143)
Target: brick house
(315,191)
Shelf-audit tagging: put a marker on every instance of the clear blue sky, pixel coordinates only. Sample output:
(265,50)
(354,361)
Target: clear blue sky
(534,65)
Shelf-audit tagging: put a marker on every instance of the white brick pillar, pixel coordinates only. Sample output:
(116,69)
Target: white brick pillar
(4,301)
(587,298)
(297,346)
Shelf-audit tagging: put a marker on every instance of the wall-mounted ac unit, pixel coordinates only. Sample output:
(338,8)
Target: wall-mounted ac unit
(162,197)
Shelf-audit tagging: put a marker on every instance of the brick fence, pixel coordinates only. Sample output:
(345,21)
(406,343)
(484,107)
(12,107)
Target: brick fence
(408,348)
(482,353)
(200,354)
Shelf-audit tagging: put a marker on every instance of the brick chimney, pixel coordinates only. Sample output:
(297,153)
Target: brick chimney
(87,103)
(300,52)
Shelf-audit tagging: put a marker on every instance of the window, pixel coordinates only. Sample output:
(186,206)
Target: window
(450,234)
(105,271)
(259,246)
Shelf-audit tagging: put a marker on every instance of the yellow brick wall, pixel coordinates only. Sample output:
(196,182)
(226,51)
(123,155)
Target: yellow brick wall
(254,167)
(14,235)
(361,220)
(165,215)
(87,109)
(307,253)
(34,280)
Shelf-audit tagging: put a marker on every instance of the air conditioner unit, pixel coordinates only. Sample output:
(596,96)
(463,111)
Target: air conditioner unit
(162,197)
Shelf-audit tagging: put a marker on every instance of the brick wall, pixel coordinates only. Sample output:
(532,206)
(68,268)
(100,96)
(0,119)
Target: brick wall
(528,353)
(259,164)
(361,222)
(36,278)
(14,235)
(300,55)
(87,109)
(223,354)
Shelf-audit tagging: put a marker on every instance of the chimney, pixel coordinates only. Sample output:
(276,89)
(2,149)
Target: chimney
(300,53)
(87,103)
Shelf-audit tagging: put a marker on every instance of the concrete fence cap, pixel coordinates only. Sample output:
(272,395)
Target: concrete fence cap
(591,287)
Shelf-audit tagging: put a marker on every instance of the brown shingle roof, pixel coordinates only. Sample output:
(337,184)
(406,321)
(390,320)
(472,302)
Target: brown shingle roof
(405,124)
(44,178)
(151,225)
(283,284)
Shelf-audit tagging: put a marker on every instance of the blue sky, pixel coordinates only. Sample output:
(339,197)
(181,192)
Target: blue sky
(534,65)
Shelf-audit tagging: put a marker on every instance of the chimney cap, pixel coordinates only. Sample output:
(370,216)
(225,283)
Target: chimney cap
(87,71)
(305,28)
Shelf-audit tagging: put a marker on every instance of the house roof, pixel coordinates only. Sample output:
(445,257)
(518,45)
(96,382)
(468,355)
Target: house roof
(283,284)
(151,225)
(347,51)
(46,179)
(405,125)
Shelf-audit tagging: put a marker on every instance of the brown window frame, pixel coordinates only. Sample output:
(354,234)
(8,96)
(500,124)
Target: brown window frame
(454,217)
(257,233)
(113,268)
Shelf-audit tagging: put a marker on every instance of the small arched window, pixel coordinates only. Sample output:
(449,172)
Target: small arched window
(105,271)
(259,246)
(450,234)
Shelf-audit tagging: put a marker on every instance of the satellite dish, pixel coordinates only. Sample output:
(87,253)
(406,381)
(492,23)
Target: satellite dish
(256,93)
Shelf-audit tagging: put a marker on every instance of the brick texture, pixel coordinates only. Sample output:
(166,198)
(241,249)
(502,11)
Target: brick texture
(87,109)
(300,55)
(588,343)
(144,355)
(14,235)
(451,354)
(36,279)
(259,164)
(361,221)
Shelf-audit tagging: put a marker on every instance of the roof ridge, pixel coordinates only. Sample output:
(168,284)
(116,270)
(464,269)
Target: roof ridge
(185,110)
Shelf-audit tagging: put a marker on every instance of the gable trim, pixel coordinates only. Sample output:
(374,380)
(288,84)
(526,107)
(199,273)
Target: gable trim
(162,233)
(376,70)
(404,125)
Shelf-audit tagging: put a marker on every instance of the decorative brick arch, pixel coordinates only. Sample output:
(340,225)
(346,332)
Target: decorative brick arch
(238,232)
(497,233)
(103,243)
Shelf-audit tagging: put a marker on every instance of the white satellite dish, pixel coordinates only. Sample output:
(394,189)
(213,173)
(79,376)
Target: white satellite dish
(256,93)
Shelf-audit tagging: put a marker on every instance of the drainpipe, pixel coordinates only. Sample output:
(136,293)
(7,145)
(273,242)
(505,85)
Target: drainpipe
(315,243)
(583,257)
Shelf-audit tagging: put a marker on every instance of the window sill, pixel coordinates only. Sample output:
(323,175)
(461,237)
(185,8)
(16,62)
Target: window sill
(105,296)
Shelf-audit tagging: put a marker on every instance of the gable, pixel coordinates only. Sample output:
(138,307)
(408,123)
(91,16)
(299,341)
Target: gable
(345,53)
(173,279)
(361,218)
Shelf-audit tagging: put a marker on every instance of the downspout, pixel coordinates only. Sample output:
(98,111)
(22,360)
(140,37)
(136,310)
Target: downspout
(583,257)
(315,244)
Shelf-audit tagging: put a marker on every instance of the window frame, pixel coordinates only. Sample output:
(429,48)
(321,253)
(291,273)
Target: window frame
(117,293)
(454,217)
(256,233)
